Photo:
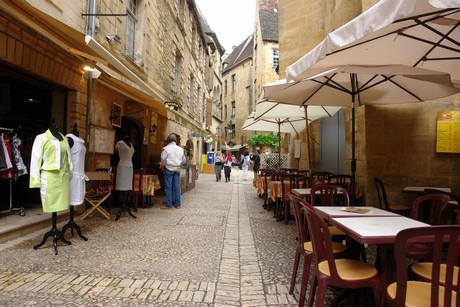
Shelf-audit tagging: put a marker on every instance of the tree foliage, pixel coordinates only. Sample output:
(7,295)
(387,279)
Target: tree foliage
(262,139)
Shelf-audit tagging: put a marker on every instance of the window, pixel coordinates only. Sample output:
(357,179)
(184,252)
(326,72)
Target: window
(233,109)
(276,58)
(233,83)
(131,29)
(177,74)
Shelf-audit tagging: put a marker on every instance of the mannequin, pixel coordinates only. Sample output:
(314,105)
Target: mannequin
(77,178)
(124,174)
(50,165)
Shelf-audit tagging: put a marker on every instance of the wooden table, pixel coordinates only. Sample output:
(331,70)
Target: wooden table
(379,230)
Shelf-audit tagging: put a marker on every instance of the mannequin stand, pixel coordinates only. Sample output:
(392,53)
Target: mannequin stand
(72,225)
(124,207)
(55,233)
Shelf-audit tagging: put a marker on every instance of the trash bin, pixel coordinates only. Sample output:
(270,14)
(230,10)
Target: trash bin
(210,158)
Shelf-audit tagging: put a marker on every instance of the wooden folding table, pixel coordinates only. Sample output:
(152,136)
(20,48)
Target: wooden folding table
(97,196)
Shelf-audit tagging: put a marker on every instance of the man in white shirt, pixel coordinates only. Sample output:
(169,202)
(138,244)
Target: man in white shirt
(172,157)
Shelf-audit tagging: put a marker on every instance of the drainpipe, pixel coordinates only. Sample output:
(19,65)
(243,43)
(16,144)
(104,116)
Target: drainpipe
(90,31)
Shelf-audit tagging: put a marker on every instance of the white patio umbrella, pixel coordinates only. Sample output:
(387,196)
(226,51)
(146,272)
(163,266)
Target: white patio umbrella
(266,109)
(285,125)
(349,84)
(419,33)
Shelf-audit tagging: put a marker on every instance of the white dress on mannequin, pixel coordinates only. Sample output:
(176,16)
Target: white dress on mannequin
(77,176)
(124,177)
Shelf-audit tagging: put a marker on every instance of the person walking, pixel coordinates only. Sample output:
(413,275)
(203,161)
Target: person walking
(172,157)
(256,162)
(218,163)
(245,165)
(228,161)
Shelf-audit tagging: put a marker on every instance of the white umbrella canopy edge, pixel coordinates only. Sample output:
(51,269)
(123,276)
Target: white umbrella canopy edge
(379,84)
(425,30)
(273,109)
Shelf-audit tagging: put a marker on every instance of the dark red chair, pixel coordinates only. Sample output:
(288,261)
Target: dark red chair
(443,286)
(341,273)
(305,248)
(430,209)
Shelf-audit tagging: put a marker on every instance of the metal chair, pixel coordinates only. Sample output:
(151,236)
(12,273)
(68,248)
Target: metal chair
(443,286)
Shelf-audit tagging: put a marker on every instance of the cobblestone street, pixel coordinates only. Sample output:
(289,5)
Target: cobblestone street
(221,249)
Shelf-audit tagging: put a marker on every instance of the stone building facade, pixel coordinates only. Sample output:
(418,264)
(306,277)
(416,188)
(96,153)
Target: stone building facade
(156,65)
(395,143)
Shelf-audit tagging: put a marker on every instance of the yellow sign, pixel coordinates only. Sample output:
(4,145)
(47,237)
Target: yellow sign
(448,132)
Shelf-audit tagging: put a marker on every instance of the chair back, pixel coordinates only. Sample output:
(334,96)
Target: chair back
(436,191)
(323,175)
(329,194)
(302,229)
(445,241)
(321,239)
(288,182)
(430,208)
(276,176)
(305,182)
(304,172)
(382,195)
(341,179)
(289,170)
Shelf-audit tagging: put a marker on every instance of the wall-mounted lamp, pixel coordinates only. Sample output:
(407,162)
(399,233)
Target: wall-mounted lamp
(153,129)
(113,38)
(88,66)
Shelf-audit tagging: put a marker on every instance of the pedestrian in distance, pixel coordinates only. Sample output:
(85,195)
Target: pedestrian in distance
(218,164)
(245,165)
(172,157)
(256,162)
(228,161)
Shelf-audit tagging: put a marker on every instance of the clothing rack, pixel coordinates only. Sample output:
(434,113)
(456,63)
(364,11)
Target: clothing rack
(21,210)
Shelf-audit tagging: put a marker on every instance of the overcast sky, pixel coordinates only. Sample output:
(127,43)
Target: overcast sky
(231,20)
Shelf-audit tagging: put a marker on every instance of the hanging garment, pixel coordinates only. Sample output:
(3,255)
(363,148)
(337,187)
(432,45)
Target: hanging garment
(6,148)
(50,167)
(19,167)
(77,175)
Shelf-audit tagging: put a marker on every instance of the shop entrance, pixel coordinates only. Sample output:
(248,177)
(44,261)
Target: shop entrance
(27,105)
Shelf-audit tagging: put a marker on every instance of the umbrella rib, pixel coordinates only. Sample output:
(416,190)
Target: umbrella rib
(389,79)
(438,14)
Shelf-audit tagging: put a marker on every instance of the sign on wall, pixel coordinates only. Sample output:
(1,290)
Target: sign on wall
(448,132)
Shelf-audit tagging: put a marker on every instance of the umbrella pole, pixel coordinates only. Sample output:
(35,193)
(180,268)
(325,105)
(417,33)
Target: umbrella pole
(354,84)
(279,146)
(308,140)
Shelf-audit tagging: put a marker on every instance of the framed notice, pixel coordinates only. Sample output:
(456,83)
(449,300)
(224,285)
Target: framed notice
(448,132)
(116,115)
(102,140)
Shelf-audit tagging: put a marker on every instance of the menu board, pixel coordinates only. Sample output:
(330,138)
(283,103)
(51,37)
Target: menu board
(448,132)
(102,140)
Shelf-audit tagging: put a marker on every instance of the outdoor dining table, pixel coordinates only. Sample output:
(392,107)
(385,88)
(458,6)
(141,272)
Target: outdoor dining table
(421,190)
(378,230)
(328,212)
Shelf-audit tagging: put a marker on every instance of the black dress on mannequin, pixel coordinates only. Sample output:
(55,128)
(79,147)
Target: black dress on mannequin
(54,232)
(71,224)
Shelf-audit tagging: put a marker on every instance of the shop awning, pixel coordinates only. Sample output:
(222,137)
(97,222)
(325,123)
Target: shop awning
(115,63)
